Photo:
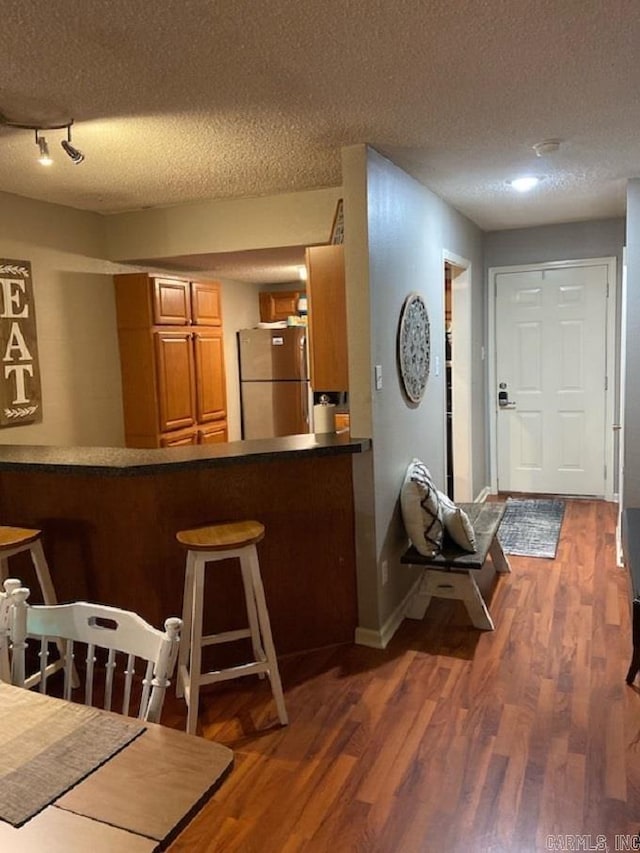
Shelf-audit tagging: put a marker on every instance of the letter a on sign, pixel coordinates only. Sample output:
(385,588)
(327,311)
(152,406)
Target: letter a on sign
(20,395)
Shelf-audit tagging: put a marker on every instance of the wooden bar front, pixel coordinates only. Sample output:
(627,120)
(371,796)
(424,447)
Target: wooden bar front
(111,539)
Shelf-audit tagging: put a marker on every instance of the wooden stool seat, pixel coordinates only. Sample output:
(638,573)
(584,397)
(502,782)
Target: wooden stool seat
(220,537)
(210,544)
(10,537)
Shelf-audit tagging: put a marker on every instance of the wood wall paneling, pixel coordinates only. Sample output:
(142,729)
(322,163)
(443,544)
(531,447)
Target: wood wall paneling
(112,540)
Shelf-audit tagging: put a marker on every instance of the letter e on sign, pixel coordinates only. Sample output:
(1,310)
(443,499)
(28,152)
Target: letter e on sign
(20,393)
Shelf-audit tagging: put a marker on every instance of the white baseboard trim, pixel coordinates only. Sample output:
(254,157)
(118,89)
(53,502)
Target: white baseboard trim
(380,639)
(484,494)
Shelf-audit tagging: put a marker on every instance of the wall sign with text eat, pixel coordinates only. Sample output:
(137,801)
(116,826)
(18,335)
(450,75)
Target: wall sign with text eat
(20,395)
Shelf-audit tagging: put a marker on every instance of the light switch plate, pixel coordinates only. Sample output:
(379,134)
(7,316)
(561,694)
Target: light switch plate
(378,373)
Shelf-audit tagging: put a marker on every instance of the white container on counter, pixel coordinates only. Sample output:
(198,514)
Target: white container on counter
(324,418)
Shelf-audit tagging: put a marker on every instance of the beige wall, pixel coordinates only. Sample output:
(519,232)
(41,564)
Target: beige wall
(73,292)
(75,314)
(229,225)
(240,310)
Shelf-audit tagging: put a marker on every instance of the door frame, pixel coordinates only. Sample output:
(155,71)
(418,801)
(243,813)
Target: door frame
(611,334)
(461,376)
(621,403)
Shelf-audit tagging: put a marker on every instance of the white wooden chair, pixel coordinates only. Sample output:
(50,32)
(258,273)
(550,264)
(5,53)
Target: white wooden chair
(108,637)
(12,591)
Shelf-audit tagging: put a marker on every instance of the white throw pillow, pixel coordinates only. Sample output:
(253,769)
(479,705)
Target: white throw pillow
(457,524)
(421,510)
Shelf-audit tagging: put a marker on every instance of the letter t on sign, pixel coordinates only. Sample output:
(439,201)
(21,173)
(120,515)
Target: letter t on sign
(20,392)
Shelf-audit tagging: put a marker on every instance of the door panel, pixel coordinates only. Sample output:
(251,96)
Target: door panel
(211,398)
(551,357)
(205,303)
(175,380)
(179,439)
(214,434)
(171,302)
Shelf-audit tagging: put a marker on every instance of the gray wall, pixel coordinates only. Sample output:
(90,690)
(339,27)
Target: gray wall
(631,485)
(566,242)
(394,245)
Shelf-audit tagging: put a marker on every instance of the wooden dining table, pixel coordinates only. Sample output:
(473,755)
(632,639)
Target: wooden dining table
(138,801)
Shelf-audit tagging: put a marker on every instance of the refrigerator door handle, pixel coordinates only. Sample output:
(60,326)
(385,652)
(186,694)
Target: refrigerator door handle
(302,360)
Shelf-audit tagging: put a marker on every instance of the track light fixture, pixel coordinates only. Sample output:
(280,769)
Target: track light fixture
(76,156)
(44,157)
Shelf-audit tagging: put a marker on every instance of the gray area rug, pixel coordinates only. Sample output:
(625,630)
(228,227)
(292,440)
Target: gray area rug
(531,528)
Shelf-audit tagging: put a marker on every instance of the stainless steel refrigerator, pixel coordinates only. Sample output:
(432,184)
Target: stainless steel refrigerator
(274,382)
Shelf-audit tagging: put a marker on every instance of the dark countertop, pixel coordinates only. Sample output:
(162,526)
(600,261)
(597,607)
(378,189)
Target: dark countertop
(124,461)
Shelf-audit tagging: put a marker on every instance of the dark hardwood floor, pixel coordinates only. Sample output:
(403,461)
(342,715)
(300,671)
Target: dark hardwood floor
(451,739)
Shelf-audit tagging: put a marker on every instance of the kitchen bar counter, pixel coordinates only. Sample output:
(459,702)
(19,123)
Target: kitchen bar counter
(110,516)
(118,461)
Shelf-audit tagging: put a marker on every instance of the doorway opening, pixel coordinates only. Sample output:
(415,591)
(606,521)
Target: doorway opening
(457,329)
(448,348)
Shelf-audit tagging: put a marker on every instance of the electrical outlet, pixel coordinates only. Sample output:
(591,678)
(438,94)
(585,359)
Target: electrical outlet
(385,572)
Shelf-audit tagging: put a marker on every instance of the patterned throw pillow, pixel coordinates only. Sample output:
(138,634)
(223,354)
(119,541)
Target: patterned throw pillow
(421,510)
(457,524)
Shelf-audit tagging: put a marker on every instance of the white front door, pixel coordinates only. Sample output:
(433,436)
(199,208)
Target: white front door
(551,375)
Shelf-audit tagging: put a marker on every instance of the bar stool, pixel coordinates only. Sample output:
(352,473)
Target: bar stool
(211,544)
(16,540)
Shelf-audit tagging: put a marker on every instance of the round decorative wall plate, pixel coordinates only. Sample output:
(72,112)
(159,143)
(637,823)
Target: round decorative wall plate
(414,346)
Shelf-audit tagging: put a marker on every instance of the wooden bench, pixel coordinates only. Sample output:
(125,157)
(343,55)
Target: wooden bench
(631,551)
(450,574)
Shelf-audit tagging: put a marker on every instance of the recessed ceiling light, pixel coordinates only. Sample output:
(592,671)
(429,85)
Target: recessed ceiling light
(524,184)
(547,146)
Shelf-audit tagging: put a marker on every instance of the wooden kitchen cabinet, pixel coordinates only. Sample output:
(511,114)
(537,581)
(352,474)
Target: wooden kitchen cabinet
(327,318)
(211,393)
(278,305)
(206,309)
(175,379)
(171,302)
(181,303)
(172,360)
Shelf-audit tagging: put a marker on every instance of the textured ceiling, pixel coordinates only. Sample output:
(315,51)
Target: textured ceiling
(178,100)
(263,266)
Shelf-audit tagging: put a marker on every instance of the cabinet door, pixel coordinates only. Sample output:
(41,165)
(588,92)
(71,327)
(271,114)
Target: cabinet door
(211,389)
(214,434)
(206,309)
(276,305)
(171,302)
(175,376)
(179,438)
(327,318)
